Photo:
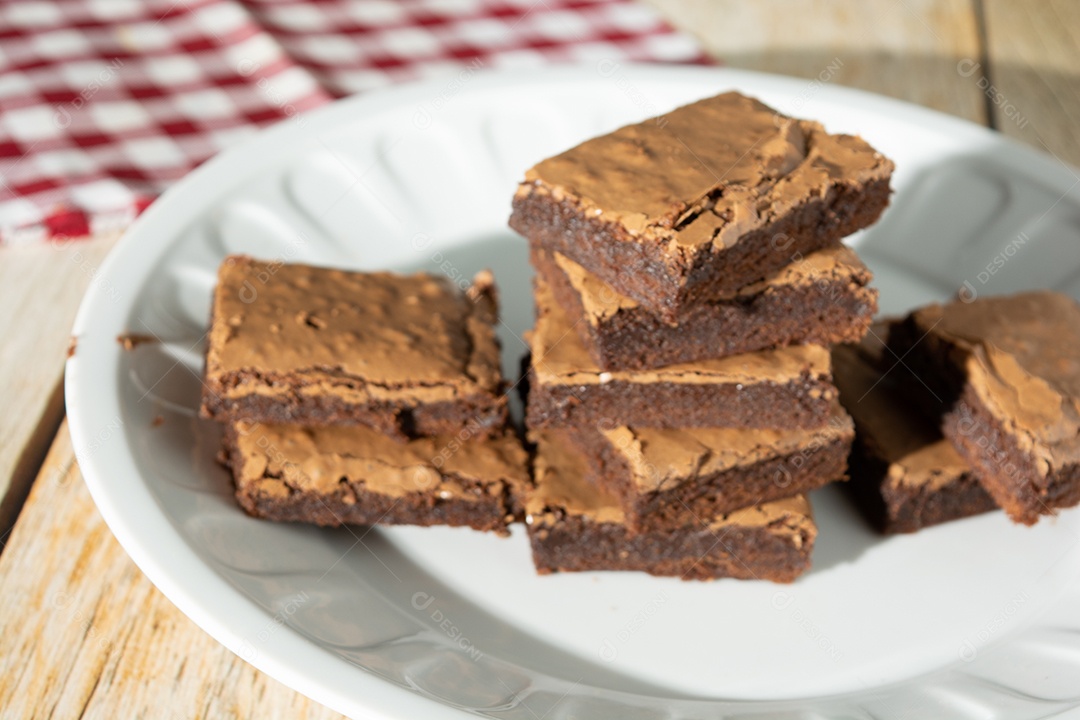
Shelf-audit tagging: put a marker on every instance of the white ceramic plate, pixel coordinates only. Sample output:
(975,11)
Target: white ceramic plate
(977,618)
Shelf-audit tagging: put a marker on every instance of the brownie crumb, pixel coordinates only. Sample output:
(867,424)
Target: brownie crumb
(130,341)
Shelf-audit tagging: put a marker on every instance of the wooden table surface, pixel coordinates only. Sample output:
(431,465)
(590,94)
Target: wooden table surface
(86,634)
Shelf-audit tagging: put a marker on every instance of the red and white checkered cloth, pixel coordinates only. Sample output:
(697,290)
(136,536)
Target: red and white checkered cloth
(105,103)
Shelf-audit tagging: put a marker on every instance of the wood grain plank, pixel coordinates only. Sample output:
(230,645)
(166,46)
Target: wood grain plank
(42,286)
(908,49)
(1032,77)
(86,634)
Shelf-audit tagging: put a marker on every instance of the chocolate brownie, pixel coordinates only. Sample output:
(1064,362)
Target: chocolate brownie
(1010,369)
(693,205)
(670,478)
(783,388)
(904,474)
(410,355)
(351,474)
(821,299)
(575,526)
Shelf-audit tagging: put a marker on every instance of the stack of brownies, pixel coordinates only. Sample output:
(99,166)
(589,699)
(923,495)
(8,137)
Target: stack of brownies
(690,273)
(361,398)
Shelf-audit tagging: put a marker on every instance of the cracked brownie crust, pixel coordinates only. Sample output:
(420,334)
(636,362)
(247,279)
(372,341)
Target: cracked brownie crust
(575,526)
(821,299)
(690,206)
(1008,370)
(665,479)
(352,475)
(905,475)
(784,388)
(410,355)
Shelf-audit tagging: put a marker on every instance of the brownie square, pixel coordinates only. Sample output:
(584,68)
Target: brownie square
(783,388)
(693,205)
(1009,369)
(821,299)
(671,478)
(409,355)
(351,474)
(573,526)
(904,474)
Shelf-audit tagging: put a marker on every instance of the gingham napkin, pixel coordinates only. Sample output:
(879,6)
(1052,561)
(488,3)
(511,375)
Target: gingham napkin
(105,103)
